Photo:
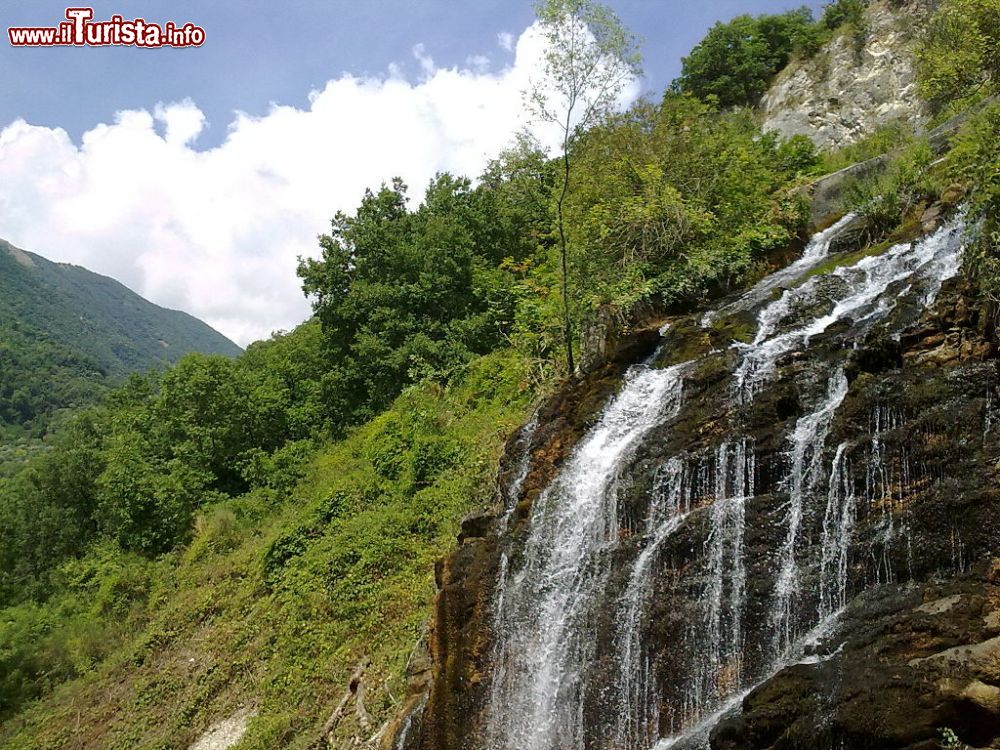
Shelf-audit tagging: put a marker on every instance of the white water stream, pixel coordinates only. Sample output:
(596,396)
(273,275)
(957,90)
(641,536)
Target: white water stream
(550,595)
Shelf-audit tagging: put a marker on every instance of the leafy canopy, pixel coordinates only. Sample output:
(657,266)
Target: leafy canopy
(589,58)
(735,62)
(958,58)
(404,294)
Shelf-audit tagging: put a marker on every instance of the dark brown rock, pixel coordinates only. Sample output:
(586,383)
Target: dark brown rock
(918,652)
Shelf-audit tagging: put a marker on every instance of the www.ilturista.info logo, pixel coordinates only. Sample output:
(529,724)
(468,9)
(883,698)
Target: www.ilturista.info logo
(80,30)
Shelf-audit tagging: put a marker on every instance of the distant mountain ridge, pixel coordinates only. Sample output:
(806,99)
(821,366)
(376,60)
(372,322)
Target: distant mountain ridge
(67,334)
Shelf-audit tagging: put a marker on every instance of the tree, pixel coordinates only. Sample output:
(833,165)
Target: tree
(958,58)
(589,58)
(736,61)
(403,295)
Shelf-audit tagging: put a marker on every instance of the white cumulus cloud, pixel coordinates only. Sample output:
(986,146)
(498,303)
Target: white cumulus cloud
(217,232)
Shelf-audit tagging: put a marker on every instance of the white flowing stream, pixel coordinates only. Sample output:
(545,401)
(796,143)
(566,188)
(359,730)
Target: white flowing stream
(551,593)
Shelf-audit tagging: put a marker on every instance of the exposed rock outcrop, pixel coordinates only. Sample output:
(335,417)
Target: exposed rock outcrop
(862,79)
(909,663)
(914,650)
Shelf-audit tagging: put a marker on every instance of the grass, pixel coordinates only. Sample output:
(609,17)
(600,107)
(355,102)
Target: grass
(277,599)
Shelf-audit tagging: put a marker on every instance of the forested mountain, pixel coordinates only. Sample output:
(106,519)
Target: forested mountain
(68,334)
(760,514)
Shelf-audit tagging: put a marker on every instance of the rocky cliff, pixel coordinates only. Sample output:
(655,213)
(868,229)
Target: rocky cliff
(862,79)
(780,531)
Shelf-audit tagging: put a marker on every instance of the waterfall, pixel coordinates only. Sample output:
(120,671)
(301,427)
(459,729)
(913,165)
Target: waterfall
(545,627)
(838,525)
(869,285)
(722,632)
(808,441)
(637,723)
(814,252)
(700,509)
(511,492)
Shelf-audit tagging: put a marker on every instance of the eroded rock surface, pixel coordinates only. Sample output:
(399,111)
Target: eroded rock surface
(861,80)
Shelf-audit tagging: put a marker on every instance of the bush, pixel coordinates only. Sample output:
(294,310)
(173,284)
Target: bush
(975,160)
(886,197)
(736,61)
(958,58)
(676,201)
(844,12)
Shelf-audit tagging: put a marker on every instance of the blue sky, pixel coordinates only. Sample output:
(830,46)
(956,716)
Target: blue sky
(364,74)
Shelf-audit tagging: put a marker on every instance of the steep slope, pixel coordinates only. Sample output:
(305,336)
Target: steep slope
(790,508)
(863,79)
(278,599)
(66,333)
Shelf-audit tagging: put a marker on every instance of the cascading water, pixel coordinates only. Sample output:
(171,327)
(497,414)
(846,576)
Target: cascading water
(838,524)
(869,289)
(701,509)
(812,254)
(883,489)
(672,500)
(722,629)
(546,622)
(808,441)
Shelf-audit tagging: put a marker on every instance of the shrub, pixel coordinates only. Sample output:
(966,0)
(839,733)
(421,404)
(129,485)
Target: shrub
(887,196)
(958,58)
(736,60)
(975,161)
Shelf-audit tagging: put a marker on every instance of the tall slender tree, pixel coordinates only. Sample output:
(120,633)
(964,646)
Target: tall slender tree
(590,57)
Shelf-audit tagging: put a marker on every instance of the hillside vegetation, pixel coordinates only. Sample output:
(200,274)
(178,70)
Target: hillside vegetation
(67,335)
(246,532)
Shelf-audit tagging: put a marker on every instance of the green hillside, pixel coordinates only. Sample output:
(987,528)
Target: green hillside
(236,538)
(67,334)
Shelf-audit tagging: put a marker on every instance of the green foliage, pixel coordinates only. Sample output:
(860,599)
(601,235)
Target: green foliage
(403,295)
(590,57)
(47,511)
(137,469)
(887,196)
(43,644)
(676,200)
(735,62)
(883,139)
(844,12)
(42,378)
(274,602)
(958,58)
(796,155)
(68,335)
(975,161)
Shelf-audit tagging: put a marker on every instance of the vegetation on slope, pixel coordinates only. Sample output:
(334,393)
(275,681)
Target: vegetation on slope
(248,531)
(958,62)
(958,56)
(277,595)
(67,335)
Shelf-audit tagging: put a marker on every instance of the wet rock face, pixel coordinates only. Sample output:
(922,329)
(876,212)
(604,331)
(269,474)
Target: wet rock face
(859,81)
(917,652)
(880,440)
(909,661)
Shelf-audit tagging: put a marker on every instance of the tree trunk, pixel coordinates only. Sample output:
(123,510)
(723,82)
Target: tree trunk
(567,322)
